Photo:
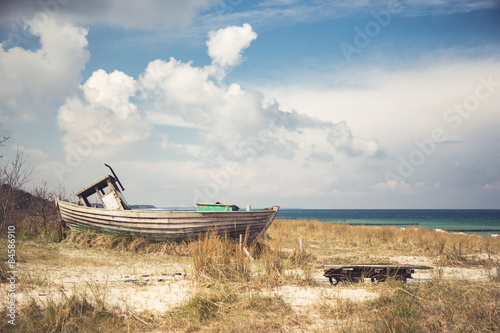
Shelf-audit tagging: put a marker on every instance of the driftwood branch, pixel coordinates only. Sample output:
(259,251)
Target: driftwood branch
(248,254)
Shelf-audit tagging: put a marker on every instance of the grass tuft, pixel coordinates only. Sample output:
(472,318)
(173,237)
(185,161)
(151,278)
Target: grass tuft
(76,313)
(92,239)
(226,308)
(439,306)
(216,257)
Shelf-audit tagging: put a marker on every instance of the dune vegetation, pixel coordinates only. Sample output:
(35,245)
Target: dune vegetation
(270,285)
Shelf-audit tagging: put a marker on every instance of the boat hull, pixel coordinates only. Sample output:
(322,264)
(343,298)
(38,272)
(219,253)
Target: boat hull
(168,225)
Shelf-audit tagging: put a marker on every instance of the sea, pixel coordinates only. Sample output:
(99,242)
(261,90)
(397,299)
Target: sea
(482,222)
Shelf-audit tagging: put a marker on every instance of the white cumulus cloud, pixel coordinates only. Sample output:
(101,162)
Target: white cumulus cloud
(102,119)
(31,81)
(226,45)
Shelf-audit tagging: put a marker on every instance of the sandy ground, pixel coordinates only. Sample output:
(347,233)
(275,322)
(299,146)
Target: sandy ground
(301,298)
(158,285)
(159,288)
(149,286)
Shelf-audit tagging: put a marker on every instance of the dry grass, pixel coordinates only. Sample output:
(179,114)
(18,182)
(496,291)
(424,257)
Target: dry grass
(80,312)
(344,243)
(117,242)
(228,308)
(219,258)
(433,307)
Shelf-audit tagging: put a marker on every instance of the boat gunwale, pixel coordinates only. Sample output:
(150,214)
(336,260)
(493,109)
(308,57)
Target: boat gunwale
(126,213)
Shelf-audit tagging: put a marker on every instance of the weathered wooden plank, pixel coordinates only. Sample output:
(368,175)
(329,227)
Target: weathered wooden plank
(241,228)
(167,231)
(89,190)
(162,235)
(363,266)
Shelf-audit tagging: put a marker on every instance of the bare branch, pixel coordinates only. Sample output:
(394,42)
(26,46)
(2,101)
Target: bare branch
(13,177)
(3,140)
(2,143)
(42,209)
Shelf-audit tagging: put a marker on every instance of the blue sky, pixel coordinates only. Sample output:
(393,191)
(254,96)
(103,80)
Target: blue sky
(310,104)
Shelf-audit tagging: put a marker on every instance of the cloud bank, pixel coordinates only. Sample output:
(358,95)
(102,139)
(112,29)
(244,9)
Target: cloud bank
(146,14)
(114,112)
(232,119)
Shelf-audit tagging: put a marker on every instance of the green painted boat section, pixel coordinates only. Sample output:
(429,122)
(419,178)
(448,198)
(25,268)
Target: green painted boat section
(215,207)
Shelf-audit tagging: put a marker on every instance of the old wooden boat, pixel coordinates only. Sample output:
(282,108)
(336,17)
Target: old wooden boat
(117,217)
(375,272)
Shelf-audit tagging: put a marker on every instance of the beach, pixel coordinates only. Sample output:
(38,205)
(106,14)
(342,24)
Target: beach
(155,282)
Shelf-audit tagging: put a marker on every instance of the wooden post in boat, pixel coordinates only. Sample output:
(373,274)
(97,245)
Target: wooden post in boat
(99,192)
(84,201)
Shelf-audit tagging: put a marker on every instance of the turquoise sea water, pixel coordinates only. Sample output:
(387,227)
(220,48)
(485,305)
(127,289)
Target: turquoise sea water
(481,221)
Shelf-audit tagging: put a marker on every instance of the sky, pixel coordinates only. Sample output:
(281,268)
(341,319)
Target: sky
(302,104)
